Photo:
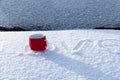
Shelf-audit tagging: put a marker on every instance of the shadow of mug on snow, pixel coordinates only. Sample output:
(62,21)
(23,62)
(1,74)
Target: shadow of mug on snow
(75,66)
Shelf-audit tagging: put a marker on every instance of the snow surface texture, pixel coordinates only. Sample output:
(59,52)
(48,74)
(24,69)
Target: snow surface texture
(60,14)
(97,58)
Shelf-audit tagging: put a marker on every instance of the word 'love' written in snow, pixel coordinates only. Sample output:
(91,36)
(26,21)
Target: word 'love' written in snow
(1,45)
(111,45)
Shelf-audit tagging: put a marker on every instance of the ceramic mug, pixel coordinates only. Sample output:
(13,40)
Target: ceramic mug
(37,42)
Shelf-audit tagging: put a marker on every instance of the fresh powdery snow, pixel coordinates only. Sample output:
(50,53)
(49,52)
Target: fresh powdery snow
(60,14)
(72,55)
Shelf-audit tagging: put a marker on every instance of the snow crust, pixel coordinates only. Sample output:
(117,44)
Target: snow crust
(78,55)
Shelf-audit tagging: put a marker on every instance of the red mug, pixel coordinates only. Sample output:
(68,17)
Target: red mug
(37,42)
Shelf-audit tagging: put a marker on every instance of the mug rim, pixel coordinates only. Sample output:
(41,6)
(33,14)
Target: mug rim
(37,36)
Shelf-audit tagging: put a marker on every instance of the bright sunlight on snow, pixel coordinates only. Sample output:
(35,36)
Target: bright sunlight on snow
(78,55)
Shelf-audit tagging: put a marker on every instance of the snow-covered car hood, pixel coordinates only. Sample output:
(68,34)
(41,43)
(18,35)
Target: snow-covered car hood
(78,55)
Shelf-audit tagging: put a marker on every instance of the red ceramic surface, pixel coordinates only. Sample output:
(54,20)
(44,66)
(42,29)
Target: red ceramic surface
(37,42)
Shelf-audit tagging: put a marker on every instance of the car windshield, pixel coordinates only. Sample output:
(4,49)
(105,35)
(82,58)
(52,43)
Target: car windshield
(23,15)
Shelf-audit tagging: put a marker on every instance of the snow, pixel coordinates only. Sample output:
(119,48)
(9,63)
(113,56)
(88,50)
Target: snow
(78,55)
(60,14)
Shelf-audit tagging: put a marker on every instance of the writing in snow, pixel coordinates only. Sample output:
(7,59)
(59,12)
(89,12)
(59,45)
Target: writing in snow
(110,45)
